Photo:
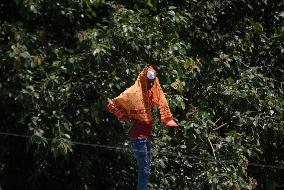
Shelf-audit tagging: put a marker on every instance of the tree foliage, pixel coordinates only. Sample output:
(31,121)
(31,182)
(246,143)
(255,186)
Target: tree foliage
(220,63)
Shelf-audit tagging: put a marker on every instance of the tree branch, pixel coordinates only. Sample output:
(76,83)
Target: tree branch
(212,148)
(220,126)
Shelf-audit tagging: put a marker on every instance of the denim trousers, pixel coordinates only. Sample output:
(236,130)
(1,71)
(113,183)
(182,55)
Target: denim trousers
(142,152)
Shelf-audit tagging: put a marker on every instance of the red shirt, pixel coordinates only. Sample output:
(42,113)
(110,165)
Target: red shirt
(140,130)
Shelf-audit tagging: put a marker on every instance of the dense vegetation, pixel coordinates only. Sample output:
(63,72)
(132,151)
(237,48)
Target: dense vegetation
(220,63)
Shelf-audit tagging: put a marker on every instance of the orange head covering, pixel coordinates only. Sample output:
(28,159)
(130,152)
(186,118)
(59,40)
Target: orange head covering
(136,102)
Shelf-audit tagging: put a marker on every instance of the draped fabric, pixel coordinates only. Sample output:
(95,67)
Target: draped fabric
(136,101)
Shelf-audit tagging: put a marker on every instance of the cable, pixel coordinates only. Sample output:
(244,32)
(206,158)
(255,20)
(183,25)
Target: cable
(162,153)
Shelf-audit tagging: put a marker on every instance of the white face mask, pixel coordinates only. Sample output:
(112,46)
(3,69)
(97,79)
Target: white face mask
(151,75)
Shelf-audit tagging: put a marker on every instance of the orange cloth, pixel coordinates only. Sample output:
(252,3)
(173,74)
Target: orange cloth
(136,102)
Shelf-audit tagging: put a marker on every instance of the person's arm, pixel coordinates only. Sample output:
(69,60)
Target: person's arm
(161,102)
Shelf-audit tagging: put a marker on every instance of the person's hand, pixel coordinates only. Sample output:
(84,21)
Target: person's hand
(171,123)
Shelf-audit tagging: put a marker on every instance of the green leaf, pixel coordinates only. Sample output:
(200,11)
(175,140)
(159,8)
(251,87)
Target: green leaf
(257,26)
(149,3)
(25,55)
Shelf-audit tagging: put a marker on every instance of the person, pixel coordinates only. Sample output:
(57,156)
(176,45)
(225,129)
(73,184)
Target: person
(134,106)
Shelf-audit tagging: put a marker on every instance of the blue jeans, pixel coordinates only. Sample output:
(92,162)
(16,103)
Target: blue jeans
(141,149)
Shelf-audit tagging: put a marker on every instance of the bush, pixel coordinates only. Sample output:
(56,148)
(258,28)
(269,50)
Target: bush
(219,62)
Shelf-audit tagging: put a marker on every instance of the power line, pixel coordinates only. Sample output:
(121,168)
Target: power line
(162,153)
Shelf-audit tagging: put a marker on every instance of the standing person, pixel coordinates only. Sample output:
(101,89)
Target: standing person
(134,105)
